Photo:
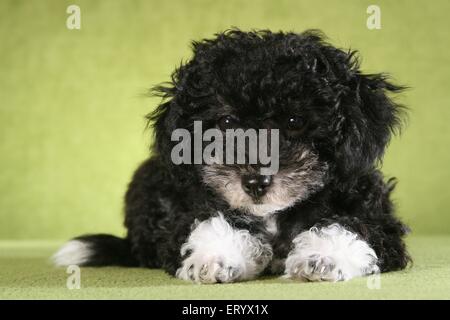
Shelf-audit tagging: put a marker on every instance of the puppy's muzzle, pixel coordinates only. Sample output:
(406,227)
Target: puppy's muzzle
(256,185)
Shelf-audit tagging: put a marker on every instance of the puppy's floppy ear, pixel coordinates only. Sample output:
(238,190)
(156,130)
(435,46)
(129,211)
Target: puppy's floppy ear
(174,112)
(164,120)
(367,117)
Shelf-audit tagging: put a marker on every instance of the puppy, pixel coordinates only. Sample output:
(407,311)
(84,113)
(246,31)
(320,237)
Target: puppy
(325,215)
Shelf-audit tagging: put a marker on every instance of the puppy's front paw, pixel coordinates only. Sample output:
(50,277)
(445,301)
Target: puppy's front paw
(314,268)
(202,269)
(330,254)
(216,252)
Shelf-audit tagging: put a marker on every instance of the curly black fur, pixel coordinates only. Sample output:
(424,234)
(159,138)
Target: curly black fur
(348,121)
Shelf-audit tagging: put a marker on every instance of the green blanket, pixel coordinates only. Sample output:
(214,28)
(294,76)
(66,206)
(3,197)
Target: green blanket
(26,273)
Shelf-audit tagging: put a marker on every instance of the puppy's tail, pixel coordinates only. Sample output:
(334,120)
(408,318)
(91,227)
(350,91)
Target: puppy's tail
(95,250)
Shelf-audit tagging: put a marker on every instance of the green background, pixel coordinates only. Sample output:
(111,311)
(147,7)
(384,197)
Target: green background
(72,106)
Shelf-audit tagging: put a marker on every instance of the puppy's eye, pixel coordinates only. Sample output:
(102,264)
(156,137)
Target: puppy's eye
(227,122)
(295,123)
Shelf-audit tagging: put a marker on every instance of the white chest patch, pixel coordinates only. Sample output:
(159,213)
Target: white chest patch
(271,224)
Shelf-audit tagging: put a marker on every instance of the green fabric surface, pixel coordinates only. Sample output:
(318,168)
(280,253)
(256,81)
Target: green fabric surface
(71,105)
(25,273)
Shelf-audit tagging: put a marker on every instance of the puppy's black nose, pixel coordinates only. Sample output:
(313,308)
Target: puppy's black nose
(256,185)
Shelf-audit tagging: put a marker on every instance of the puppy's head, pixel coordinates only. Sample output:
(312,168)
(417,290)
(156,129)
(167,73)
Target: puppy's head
(333,121)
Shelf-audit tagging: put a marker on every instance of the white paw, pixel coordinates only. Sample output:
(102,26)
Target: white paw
(330,254)
(204,269)
(216,252)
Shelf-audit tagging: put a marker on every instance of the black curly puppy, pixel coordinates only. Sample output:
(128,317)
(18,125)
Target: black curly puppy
(325,215)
